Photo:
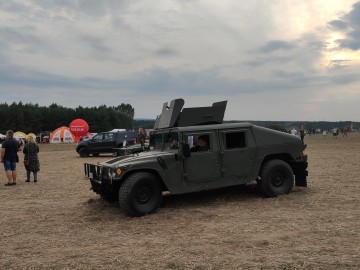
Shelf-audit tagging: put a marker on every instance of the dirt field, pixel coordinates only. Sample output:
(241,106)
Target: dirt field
(59,223)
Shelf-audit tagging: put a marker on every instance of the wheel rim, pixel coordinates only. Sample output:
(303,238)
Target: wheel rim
(278,179)
(144,195)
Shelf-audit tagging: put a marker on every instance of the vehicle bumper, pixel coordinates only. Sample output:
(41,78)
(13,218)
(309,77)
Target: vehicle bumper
(99,176)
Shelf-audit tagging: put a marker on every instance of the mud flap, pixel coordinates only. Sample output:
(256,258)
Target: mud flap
(300,179)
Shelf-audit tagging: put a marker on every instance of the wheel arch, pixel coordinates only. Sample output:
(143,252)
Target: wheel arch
(280,156)
(152,171)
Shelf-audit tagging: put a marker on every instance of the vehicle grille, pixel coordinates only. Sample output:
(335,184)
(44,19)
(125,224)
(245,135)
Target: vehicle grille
(96,172)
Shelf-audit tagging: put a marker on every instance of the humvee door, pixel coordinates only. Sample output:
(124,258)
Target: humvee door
(204,163)
(237,154)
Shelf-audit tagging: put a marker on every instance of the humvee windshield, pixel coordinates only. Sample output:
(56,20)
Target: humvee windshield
(164,141)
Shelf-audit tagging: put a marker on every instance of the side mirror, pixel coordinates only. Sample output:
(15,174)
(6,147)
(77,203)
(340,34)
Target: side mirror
(185,150)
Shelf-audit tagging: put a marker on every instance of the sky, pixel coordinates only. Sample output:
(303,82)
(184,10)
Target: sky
(284,60)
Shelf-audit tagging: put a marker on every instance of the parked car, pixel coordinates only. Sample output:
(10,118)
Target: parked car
(105,142)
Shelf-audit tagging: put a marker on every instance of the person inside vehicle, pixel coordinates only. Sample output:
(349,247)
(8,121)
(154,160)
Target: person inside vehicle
(174,144)
(201,144)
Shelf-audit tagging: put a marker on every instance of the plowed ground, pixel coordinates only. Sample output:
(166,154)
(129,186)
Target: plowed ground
(59,223)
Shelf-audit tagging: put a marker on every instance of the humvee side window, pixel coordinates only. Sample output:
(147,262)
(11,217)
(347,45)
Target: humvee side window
(172,140)
(198,142)
(235,140)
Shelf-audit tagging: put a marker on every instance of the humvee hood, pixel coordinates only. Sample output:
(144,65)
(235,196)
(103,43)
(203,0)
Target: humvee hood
(265,137)
(136,158)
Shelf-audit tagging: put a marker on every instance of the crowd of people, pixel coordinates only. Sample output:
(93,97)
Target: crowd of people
(10,148)
(334,131)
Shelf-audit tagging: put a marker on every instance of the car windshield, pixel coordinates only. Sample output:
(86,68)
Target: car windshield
(164,141)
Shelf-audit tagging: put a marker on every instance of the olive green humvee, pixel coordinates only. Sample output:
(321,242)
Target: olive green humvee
(191,150)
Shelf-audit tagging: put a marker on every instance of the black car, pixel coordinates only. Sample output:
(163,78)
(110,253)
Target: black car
(105,142)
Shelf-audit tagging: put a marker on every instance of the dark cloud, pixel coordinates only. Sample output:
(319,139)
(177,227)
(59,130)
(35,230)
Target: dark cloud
(338,64)
(353,17)
(97,47)
(276,45)
(350,43)
(338,24)
(352,22)
(345,79)
(166,52)
(13,6)
(288,75)
(93,8)
(268,59)
(20,35)
(156,81)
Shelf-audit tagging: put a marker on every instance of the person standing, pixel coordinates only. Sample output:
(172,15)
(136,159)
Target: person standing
(302,135)
(140,137)
(31,151)
(9,157)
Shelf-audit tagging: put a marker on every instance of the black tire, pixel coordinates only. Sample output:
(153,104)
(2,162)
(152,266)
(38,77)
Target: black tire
(277,178)
(83,152)
(140,194)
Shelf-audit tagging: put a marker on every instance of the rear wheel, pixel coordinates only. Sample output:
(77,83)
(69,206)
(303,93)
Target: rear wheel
(83,152)
(277,178)
(140,194)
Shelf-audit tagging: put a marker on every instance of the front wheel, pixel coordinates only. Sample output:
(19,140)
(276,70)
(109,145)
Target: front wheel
(140,194)
(277,178)
(83,152)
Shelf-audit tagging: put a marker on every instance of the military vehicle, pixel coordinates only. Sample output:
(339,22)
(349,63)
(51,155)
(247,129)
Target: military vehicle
(192,150)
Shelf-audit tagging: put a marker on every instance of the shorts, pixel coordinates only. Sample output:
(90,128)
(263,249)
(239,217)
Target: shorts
(9,165)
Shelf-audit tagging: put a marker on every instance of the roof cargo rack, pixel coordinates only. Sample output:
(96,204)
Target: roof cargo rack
(174,116)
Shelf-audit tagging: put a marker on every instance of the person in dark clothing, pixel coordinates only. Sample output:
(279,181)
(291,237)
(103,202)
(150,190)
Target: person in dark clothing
(302,135)
(31,151)
(140,137)
(201,144)
(9,157)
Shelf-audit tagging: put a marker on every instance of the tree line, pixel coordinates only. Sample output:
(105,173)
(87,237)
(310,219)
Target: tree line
(34,118)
